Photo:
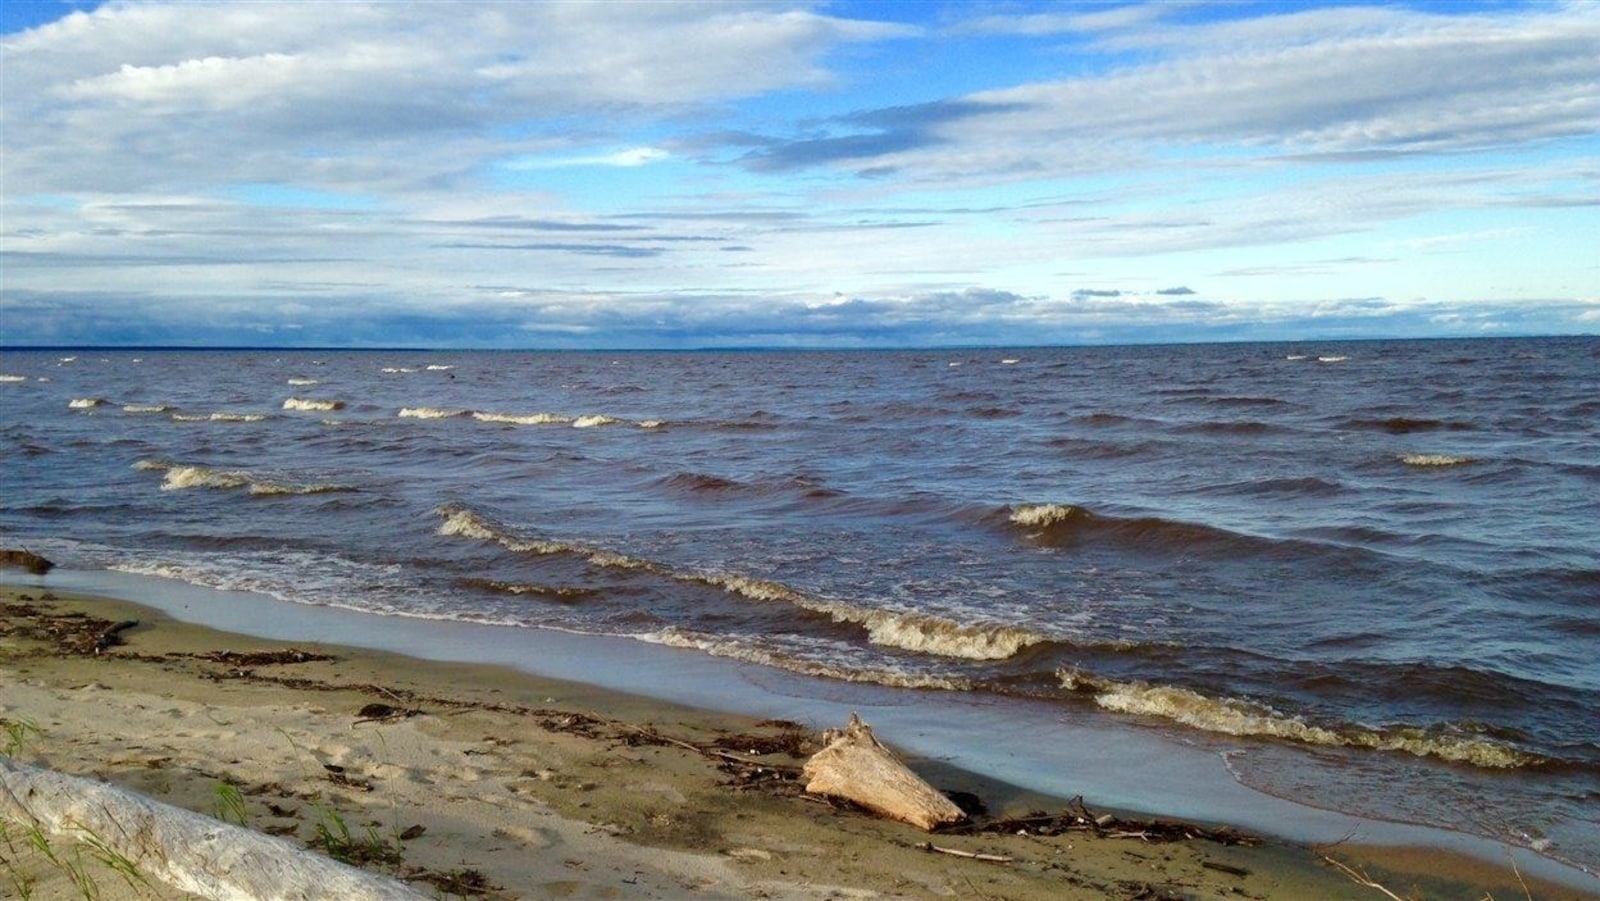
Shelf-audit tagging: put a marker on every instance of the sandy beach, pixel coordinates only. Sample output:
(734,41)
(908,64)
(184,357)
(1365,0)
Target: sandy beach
(477,781)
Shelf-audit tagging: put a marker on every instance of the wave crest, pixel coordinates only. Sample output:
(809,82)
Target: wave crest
(917,632)
(1232,716)
(85,403)
(430,413)
(180,477)
(1434,460)
(312,404)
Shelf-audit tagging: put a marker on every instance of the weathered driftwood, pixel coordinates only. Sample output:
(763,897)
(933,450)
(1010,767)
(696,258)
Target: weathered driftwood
(187,850)
(27,560)
(855,766)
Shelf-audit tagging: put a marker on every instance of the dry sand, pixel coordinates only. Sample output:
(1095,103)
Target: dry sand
(475,781)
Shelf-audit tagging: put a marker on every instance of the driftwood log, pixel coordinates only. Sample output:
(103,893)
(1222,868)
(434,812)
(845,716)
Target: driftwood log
(855,766)
(187,850)
(27,560)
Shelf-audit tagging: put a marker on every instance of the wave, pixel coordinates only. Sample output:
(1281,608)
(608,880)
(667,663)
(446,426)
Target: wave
(431,413)
(86,403)
(563,594)
(577,422)
(1331,359)
(749,651)
(1405,425)
(1434,460)
(1062,524)
(463,523)
(908,631)
(311,404)
(12,378)
(521,418)
(218,417)
(435,367)
(180,477)
(1246,401)
(300,381)
(1233,716)
(146,408)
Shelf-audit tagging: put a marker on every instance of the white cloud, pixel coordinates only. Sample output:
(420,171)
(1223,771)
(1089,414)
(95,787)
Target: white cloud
(347,94)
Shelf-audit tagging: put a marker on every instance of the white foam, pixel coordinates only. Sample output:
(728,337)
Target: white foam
(1331,359)
(748,652)
(13,378)
(592,420)
(522,418)
(947,638)
(179,478)
(918,632)
(218,417)
(1295,357)
(299,381)
(394,369)
(86,403)
(1039,516)
(429,413)
(1232,716)
(145,408)
(306,403)
(153,465)
(1434,460)
(435,367)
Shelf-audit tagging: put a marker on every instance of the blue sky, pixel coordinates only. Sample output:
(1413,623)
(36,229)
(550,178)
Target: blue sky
(665,174)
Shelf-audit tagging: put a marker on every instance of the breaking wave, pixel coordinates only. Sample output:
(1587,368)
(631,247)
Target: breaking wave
(1232,716)
(306,403)
(917,632)
(12,378)
(180,477)
(430,413)
(577,422)
(218,417)
(146,408)
(85,403)
(301,382)
(749,652)
(1434,460)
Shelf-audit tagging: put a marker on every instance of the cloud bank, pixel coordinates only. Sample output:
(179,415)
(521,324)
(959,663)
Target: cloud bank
(681,174)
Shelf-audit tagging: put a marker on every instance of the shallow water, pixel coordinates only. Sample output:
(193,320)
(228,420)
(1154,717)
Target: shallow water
(1346,566)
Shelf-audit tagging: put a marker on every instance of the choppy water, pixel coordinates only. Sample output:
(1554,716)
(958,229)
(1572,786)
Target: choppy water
(1351,566)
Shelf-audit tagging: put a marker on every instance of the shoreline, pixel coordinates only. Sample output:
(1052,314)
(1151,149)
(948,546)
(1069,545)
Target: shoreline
(499,760)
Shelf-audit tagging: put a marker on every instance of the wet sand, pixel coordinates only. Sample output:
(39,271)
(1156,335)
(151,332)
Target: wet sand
(481,781)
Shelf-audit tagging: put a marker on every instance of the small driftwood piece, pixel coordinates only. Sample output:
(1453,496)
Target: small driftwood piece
(855,766)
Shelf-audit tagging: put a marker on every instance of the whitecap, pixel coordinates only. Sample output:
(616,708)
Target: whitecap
(429,413)
(145,408)
(592,420)
(86,403)
(1233,716)
(218,417)
(306,403)
(1434,460)
(13,378)
(522,418)
(1039,516)
(1331,359)
(300,381)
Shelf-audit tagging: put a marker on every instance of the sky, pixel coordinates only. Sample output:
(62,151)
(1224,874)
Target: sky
(740,174)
